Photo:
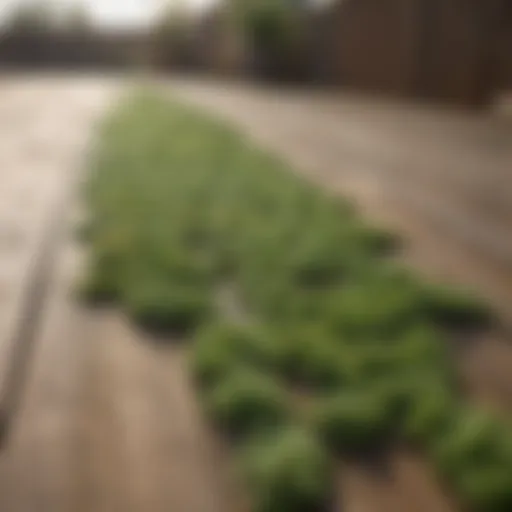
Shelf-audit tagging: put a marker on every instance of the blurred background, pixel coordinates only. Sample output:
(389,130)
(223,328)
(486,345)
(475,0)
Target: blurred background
(454,51)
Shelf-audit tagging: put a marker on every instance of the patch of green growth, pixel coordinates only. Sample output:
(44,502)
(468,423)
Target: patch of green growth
(475,455)
(220,347)
(455,308)
(374,310)
(287,471)
(313,357)
(471,438)
(96,288)
(486,488)
(352,421)
(180,205)
(246,402)
(309,358)
(428,415)
(103,280)
(169,307)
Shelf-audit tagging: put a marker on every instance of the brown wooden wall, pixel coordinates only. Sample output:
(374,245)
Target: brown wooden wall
(503,49)
(437,49)
(455,62)
(374,44)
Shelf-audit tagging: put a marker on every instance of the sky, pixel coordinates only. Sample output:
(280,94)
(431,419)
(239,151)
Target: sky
(120,13)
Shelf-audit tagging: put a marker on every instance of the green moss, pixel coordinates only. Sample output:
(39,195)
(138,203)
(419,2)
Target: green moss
(103,280)
(474,439)
(475,454)
(486,488)
(374,310)
(169,308)
(97,288)
(429,415)
(246,402)
(314,362)
(352,421)
(221,346)
(288,471)
(455,308)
